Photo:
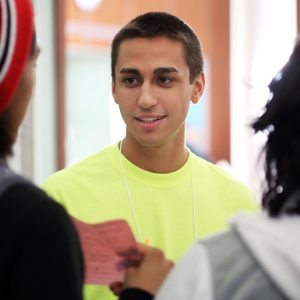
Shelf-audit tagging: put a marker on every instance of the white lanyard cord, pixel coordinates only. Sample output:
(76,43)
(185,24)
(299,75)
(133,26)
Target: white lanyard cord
(129,195)
(132,204)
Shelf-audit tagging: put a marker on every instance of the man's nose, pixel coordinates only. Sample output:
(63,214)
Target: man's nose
(147,97)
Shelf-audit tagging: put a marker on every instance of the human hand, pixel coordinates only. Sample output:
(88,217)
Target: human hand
(151,272)
(130,258)
(148,275)
(116,288)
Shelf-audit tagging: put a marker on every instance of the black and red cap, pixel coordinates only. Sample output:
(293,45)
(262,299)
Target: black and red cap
(16,32)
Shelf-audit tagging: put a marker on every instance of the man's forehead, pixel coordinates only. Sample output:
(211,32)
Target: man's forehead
(156,46)
(153,54)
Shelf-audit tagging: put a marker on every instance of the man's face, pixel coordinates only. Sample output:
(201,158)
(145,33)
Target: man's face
(153,90)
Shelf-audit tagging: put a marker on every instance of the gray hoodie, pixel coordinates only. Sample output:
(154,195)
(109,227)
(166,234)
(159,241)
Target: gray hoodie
(273,243)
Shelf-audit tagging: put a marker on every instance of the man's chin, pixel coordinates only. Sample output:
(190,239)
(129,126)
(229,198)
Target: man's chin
(151,143)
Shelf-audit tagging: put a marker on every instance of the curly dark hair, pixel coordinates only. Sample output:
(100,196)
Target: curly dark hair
(281,123)
(156,24)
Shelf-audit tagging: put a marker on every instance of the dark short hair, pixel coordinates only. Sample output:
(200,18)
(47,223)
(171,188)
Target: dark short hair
(281,123)
(156,24)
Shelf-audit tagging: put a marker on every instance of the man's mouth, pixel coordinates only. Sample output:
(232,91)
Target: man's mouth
(149,119)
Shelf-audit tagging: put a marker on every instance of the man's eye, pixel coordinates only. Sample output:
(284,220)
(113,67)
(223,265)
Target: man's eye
(131,81)
(165,80)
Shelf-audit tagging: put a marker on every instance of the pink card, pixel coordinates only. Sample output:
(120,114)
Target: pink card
(104,247)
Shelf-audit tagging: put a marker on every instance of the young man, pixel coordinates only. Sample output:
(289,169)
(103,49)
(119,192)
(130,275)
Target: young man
(168,195)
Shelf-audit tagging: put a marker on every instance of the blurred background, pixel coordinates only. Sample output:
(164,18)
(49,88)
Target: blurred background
(72,115)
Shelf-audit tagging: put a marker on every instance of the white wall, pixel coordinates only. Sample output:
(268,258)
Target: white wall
(263,33)
(44,112)
(88,93)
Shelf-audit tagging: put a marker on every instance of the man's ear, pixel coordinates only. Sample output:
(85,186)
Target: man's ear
(198,87)
(113,91)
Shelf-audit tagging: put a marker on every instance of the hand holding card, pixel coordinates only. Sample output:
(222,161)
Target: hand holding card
(108,248)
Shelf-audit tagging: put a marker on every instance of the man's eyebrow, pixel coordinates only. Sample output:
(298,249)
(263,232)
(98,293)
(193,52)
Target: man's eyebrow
(161,70)
(130,71)
(165,70)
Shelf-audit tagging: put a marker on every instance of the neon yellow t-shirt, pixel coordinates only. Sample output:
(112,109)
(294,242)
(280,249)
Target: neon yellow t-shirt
(94,190)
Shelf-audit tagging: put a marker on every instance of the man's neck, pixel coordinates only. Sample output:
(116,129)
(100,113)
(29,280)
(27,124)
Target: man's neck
(157,159)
